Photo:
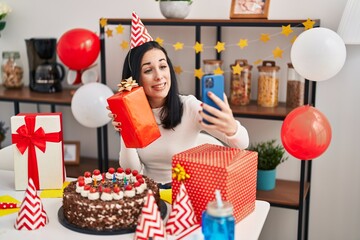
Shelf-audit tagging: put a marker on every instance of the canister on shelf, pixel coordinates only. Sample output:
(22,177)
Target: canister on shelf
(12,70)
(240,87)
(268,84)
(210,65)
(295,88)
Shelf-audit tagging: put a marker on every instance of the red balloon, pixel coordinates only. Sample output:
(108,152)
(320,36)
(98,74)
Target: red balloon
(306,133)
(78,48)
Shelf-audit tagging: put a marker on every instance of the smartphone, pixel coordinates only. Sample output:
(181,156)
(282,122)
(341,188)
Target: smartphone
(215,84)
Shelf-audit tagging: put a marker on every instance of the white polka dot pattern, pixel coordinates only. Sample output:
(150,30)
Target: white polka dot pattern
(212,167)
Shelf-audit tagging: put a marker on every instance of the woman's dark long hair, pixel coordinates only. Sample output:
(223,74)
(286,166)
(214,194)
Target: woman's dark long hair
(173,109)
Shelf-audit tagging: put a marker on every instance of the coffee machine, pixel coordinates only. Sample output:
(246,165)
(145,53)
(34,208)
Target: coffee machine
(45,73)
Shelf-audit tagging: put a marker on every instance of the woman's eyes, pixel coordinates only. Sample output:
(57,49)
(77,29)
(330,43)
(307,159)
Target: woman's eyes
(162,67)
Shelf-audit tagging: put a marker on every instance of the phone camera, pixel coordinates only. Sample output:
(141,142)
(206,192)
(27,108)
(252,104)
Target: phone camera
(209,83)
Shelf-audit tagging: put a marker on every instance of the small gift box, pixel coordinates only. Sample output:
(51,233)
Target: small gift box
(132,109)
(208,167)
(39,150)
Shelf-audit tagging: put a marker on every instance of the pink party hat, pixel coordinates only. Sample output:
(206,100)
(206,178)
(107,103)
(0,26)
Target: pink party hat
(150,224)
(182,215)
(32,214)
(139,34)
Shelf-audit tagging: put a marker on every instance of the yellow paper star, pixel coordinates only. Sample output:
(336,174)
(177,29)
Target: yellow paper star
(119,29)
(237,69)
(308,24)
(178,46)
(103,22)
(218,71)
(109,32)
(277,52)
(159,41)
(286,30)
(198,47)
(242,43)
(124,45)
(198,73)
(257,62)
(264,37)
(220,46)
(178,69)
(293,39)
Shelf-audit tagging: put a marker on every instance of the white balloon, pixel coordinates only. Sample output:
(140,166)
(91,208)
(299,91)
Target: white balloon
(89,75)
(318,54)
(88,105)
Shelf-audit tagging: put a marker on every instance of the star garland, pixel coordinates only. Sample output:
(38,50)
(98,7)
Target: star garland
(220,46)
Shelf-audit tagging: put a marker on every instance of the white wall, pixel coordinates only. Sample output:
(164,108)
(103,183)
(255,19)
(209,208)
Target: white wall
(334,211)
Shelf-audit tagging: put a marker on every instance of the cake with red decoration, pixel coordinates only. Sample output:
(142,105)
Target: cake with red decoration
(108,201)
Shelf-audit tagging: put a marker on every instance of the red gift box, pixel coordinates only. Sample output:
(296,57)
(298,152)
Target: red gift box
(138,124)
(39,150)
(210,167)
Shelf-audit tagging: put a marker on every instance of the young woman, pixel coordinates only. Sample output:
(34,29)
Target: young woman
(180,118)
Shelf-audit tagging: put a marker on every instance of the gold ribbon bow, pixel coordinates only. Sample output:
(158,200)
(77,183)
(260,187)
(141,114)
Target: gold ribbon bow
(179,173)
(127,84)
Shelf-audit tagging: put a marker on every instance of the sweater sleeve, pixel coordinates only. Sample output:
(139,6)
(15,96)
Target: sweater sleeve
(129,158)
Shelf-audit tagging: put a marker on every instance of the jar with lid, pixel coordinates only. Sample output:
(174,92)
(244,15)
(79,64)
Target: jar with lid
(218,222)
(12,70)
(295,88)
(210,65)
(268,84)
(240,87)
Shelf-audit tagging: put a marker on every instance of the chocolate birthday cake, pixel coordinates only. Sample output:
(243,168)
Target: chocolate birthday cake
(108,201)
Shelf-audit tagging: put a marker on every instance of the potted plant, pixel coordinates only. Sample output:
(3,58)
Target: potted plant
(175,8)
(270,155)
(4,10)
(3,131)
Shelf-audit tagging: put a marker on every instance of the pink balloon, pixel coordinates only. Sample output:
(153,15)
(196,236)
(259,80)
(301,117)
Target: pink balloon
(78,48)
(306,133)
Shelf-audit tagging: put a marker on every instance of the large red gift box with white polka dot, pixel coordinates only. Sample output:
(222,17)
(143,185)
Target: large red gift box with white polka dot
(207,168)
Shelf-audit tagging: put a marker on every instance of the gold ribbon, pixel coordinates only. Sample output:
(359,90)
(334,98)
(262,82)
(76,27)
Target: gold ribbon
(127,84)
(179,173)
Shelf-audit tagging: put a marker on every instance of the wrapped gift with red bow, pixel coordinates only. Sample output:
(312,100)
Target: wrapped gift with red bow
(132,109)
(208,167)
(39,150)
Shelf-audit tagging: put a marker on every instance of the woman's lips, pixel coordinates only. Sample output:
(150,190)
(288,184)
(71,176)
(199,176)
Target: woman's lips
(159,86)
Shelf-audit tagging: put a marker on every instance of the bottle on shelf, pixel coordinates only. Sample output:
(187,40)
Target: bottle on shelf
(240,88)
(268,84)
(295,88)
(210,65)
(12,70)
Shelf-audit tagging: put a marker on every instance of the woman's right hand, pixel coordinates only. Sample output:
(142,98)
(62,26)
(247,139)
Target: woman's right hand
(116,125)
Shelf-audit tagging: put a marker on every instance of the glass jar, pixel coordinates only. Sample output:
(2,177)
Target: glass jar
(210,65)
(240,87)
(268,84)
(218,223)
(295,88)
(12,70)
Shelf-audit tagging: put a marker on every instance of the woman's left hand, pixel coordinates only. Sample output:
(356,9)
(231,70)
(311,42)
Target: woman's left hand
(222,120)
